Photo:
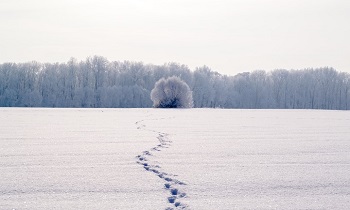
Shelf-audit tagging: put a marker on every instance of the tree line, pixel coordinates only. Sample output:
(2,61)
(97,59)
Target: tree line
(97,82)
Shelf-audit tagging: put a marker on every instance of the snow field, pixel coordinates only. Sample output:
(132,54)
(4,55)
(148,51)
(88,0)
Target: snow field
(174,159)
(75,159)
(259,159)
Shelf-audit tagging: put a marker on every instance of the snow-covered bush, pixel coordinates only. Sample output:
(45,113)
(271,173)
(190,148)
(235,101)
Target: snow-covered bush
(171,93)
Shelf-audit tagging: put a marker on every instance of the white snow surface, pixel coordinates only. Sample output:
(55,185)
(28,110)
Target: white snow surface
(174,159)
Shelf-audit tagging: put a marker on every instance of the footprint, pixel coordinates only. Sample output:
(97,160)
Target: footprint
(153,167)
(168,179)
(155,171)
(172,199)
(177,204)
(147,153)
(182,195)
(167,185)
(142,159)
(174,191)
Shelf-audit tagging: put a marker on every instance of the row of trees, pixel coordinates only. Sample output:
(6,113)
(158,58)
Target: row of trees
(97,82)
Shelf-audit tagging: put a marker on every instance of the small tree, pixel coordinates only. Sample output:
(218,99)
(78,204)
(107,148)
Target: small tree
(171,93)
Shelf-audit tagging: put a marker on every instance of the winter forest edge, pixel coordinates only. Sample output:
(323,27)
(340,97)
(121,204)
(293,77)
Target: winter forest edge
(97,82)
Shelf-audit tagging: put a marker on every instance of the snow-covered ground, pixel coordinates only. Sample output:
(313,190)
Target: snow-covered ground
(174,158)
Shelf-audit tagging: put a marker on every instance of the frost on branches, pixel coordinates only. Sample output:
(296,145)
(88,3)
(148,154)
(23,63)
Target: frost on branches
(171,93)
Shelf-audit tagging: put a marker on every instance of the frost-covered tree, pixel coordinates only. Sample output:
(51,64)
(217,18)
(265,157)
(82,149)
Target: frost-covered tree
(171,93)
(97,82)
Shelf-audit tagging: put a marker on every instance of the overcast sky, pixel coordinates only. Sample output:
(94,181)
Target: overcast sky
(229,36)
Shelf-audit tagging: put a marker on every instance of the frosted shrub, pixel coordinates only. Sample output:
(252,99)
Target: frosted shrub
(171,93)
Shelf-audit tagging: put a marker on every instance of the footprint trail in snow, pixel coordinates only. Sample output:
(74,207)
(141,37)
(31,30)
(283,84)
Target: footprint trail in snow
(170,183)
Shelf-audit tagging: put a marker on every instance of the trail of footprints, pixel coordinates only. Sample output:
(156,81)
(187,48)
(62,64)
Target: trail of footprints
(171,184)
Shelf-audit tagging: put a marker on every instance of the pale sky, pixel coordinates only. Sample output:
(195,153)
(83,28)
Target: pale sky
(229,36)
